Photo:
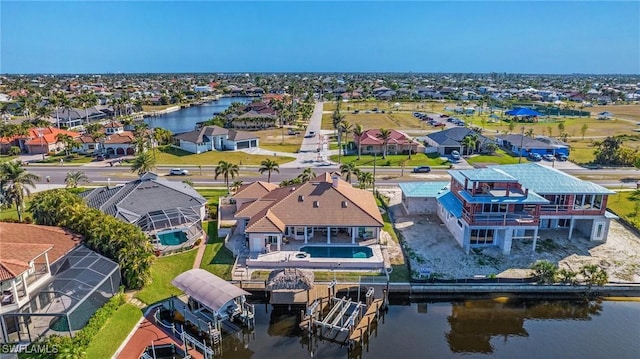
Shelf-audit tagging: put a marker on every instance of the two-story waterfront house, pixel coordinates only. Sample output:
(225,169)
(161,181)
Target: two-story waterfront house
(497,205)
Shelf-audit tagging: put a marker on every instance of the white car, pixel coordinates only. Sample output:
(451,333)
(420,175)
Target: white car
(178,172)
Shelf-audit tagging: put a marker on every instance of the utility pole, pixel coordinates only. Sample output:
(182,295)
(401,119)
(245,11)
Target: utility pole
(375,156)
(521,144)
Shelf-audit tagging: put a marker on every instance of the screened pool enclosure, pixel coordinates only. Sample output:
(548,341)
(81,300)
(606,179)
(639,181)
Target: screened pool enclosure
(173,228)
(81,282)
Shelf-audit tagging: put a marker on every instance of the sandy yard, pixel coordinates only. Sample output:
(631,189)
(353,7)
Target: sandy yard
(430,247)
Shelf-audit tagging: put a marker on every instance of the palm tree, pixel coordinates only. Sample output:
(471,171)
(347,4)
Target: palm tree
(357,133)
(67,140)
(365,179)
(74,178)
(87,100)
(306,175)
(337,119)
(143,163)
(14,184)
(469,142)
(235,186)
(349,169)
(385,136)
(269,166)
(346,128)
(226,169)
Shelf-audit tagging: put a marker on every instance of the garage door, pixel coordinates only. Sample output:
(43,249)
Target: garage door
(243,144)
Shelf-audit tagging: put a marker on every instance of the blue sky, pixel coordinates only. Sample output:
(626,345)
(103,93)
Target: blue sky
(360,36)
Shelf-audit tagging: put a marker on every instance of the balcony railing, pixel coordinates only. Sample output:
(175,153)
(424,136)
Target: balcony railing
(501,219)
(566,209)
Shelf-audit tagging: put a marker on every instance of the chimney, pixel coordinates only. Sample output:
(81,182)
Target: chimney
(335,180)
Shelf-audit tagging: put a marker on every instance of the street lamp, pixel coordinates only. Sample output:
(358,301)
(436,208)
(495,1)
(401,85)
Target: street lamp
(41,142)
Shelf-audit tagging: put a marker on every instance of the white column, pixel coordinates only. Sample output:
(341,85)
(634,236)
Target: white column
(535,238)
(353,234)
(306,236)
(571,228)
(279,242)
(328,235)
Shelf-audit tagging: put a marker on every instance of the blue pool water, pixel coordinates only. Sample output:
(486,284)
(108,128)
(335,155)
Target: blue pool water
(172,238)
(337,252)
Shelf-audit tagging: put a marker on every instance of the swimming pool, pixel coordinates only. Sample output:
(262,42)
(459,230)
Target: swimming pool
(172,238)
(338,252)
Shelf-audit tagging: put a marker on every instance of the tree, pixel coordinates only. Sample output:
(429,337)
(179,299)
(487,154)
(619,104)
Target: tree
(403,164)
(337,119)
(14,184)
(469,142)
(365,179)
(607,151)
(235,186)
(162,136)
(635,197)
(143,163)
(512,126)
(68,142)
(357,133)
(490,148)
(561,127)
(594,275)
(385,136)
(226,169)
(306,175)
(269,166)
(74,178)
(530,132)
(583,130)
(348,170)
(545,272)
(550,129)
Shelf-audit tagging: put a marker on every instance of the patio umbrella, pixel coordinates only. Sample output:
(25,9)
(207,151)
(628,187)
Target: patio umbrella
(523,112)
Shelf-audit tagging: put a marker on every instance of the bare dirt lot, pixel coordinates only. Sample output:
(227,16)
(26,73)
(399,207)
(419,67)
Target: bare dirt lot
(430,248)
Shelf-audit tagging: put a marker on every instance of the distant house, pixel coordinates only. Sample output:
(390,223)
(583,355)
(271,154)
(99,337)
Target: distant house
(37,140)
(171,213)
(398,143)
(524,145)
(606,115)
(253,120)
(77,116)
(446,141)
(214,138)
(116,142)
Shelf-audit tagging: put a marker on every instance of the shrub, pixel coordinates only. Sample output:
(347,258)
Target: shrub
(545,272)
(568,276)
(14,151)
(594,275)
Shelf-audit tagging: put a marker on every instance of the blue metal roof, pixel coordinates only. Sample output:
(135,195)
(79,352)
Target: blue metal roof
(531,198)
(489,174)
(546,180)
(423,189)
(451,203)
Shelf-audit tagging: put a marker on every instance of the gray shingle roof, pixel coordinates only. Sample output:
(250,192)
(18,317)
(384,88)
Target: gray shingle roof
(454,136)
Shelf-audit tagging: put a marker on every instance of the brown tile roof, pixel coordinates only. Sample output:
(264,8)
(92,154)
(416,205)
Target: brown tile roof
(254,190)
(315,203)
(15,257)
(20,233)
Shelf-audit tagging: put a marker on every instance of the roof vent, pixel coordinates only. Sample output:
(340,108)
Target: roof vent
(344,204)
(316,204)
(300,198)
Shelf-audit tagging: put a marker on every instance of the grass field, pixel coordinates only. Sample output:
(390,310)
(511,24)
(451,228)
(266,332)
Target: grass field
(6,158)
(419,159)
(624,207)
(396,120)
(163,271)
(113,333)
(499,158)
(630,112)
(168,155)
(217,259)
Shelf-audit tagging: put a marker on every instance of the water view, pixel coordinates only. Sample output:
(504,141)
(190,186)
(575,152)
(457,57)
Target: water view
(501,328)
(185,119)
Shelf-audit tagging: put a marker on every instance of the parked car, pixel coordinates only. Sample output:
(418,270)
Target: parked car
(535,157)
(455,155)
(310,134)
(561,157)
(178,172)
(548,157)
(439,124)
(421,169)
(99,158)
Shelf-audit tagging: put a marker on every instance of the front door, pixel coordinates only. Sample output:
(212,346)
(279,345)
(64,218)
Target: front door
(598,233)
(257,245)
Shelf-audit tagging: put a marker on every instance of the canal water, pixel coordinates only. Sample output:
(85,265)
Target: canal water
(184,120)
(500,328)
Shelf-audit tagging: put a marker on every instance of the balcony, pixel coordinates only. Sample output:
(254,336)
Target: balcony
(501,219)
(560,209)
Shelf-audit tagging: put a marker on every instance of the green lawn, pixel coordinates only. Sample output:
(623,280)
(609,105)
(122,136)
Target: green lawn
(163,271)
(500,157)
(419,159)
(4,158)
(400,271)
(168,155)
(113,333)
(212,195)
(217,258)
(624,207)
(71,160)
(277,147)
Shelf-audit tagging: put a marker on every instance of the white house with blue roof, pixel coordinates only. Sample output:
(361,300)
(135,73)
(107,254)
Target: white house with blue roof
(497,205)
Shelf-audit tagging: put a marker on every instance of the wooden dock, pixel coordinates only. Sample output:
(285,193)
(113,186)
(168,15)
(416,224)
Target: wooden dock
(365,323)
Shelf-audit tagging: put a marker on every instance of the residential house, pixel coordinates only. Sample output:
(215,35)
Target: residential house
(38,140)
(398,143)
(214,138)
(497,205)
(606,115)
(446,141)
(524,145)
(115,142)
(171,213)
(73,117)
(324,210)
(49,282)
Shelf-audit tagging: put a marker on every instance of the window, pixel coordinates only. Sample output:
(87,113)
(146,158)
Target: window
(299,231)
(564,222)
(599,230)
(460,223)
(597,201)
(271,239)
(481,237)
